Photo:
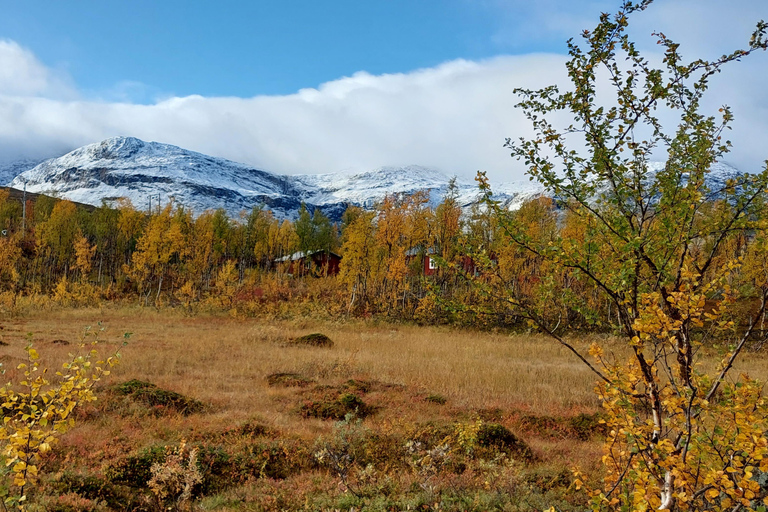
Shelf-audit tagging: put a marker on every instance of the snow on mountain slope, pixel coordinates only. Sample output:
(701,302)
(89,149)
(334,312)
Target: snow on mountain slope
(151,171)
(10,170)
(367,187)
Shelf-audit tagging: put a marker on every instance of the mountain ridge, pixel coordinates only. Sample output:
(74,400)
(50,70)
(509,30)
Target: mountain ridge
(155,173)
(152,171)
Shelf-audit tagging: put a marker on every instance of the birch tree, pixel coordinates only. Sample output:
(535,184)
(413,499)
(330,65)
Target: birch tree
(653,242)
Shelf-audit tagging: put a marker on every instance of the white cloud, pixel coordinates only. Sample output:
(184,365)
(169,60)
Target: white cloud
(454,117)
(22,74)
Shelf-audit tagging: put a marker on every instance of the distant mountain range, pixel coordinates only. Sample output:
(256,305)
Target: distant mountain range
(151,171)
(147,172)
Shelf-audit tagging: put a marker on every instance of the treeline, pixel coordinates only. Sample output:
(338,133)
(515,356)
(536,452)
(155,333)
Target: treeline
(403,260)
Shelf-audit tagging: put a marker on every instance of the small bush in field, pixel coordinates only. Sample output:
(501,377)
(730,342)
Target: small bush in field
(357,385)
(342,453)
(92,487)
(288,380)
(175,479)
(499,437)
(135,470)
(315,339)
(435,399)
(335,407)
(228,465)
(153,396)
(252,429)
(584,426)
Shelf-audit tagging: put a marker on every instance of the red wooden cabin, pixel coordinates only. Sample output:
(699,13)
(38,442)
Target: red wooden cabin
(312,262)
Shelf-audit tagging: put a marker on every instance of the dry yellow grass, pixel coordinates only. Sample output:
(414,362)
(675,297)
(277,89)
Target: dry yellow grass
(224,361)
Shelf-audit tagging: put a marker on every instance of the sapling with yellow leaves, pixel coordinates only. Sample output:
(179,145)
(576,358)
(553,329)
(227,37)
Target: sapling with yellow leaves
(655,241)
(39,408)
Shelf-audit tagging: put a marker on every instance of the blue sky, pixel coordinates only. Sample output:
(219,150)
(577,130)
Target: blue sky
(299,86)
(247,48)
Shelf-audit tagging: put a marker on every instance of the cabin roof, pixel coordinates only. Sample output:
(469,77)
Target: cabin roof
(302,254)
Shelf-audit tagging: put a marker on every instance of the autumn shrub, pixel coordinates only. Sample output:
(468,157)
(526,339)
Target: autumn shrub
(429,311)
(175,479)
(8,303)
(76,294)
(252,429)
(72,502)
(429,434)
(341,453)
(237,461)
(427,463)
(585,426)
(275,295)
(37,411)
(439,453)
(547,477)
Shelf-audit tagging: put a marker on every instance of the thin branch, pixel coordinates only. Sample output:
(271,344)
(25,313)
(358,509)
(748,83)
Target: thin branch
(739,347)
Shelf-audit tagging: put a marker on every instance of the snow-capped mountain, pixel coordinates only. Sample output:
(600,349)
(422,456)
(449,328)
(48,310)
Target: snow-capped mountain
(151,171)
(147,172)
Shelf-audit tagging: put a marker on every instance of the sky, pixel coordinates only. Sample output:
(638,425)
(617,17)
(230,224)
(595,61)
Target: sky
(301,86)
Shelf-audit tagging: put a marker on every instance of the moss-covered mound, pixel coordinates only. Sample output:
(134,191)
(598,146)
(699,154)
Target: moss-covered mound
(288,380)
(500,438)
(315,339)
(335,406)
(150,395)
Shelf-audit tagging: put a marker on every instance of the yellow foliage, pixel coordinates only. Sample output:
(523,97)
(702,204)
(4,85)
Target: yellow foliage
(84,253)
(68,293)
(37,411)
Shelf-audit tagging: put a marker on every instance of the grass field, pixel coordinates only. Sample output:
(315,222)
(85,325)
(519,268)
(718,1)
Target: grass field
(259,410)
